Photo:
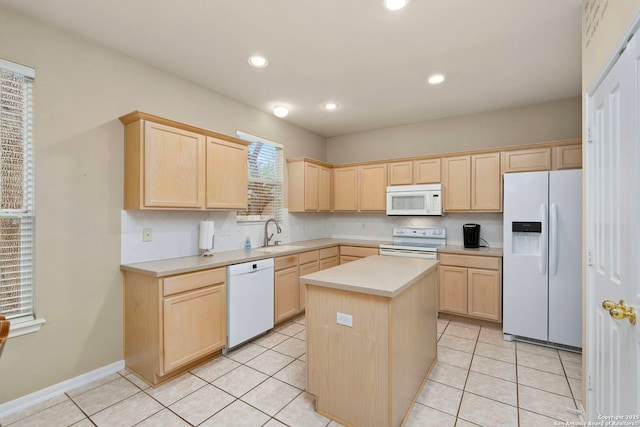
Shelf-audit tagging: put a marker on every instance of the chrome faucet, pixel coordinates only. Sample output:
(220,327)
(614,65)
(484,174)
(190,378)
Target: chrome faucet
(267,237)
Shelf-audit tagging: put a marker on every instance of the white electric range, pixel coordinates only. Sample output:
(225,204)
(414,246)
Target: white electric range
(415,241)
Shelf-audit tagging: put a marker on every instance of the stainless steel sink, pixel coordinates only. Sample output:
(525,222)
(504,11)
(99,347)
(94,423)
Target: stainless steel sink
(281,248)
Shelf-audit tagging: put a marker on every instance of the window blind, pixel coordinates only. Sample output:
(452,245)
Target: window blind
(16,192)
(266,176)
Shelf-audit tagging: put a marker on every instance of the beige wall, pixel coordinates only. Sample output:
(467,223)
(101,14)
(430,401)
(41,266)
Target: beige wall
(603,24)
(534,123)
(81,89)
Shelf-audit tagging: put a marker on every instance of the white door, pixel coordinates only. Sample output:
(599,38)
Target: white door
(613,272)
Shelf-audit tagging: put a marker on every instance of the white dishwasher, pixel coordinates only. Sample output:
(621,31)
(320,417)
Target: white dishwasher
(249,300)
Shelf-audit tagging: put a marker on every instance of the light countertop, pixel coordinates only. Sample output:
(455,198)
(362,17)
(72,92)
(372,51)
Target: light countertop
(169,267)
(385,276)
(459,249)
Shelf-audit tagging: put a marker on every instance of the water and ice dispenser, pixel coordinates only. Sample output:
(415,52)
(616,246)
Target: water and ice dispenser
(526,238)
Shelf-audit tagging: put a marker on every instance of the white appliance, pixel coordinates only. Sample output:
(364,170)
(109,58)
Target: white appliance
(414,199)
(249,300)
(542,266)
(416,242)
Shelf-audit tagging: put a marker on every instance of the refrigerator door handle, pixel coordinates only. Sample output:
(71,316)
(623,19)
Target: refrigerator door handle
(553,237)
(542,262)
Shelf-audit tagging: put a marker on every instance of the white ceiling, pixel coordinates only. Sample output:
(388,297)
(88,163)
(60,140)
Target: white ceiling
(374,63)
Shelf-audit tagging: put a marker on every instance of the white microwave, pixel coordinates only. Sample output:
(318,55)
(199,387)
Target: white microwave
(414,199)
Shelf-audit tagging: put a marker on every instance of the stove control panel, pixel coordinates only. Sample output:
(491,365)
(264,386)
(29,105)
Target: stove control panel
(415,231)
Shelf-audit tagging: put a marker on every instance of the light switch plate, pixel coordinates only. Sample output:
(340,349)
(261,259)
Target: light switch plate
(344,319)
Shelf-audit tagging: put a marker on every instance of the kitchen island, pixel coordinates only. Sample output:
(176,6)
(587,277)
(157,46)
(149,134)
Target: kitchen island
(371,338)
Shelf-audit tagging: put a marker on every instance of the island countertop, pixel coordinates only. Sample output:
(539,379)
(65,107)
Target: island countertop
(385,276)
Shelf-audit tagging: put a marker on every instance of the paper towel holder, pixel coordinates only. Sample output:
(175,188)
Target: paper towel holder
(205,240)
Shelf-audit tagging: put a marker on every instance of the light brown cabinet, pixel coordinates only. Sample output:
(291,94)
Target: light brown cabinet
(528,160)
(472,183)
(286,288)
(160,340)
(360,188)
(471,286)
(345,188)
(313,261)
(353,253)
(309,186)
(372,194)
(170,165)
(567,157)
(424,171)
(227,178)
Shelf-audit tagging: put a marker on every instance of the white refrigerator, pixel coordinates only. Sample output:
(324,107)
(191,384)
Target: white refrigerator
(542,263)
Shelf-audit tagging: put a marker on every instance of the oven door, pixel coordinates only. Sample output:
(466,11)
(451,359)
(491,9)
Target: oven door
(408,253)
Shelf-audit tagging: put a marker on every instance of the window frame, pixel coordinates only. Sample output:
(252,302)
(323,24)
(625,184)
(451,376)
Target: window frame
(24,319)
(278,182)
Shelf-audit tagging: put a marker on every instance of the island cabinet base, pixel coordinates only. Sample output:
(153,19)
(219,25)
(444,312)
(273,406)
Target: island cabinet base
(370,374)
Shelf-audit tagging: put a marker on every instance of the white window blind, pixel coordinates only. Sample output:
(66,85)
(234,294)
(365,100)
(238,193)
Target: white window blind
(266,178)
(16,192)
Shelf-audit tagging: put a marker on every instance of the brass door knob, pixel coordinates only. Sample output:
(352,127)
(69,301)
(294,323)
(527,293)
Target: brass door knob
(620,311)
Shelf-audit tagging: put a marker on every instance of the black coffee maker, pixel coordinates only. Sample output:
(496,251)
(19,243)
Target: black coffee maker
(471,235)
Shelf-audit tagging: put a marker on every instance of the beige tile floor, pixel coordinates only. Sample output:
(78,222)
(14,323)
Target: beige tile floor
(479,379)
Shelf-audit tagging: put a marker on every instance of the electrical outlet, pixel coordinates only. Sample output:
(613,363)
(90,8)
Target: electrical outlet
(147,234)
(344,319)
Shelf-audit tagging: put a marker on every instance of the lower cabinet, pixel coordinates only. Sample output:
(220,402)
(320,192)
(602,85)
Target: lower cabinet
(286,288)
(352,253)
(471,285)
(174,323)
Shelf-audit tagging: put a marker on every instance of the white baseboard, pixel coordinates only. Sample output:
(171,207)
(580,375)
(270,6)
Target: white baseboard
(58,389)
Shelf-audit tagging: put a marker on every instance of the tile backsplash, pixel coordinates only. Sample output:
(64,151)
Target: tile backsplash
(175,233)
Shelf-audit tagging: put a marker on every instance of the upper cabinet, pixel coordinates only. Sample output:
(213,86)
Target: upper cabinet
(472,183)
(529,160)
(309,185)
(372,194)
(567,157)
(424,171)
(170,165)
(360,188)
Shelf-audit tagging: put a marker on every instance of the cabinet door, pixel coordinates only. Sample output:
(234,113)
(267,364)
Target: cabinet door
(401,173)
(311,186)
(329,262)
(195,324)
(567,157)
(227,174)
(373,188)
(485,294)
(308,268)
(486,182)
(324,189)
(173,167)
(345,189)
(456,183)
(287,294)
(453,289)
(528,160)
(426,171)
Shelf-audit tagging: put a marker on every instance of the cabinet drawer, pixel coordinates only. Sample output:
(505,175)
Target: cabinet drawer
(286,262)
(310,256)
(357,251)
(329,262)
(186,282)
(488,262)
(329,252)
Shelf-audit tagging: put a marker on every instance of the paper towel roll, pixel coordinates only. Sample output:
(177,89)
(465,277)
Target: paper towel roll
(206,235)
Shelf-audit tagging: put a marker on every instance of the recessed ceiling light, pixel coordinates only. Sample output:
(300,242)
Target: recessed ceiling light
(436,79)
(258,61)
(330,106)
(395,4)
(280,111)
